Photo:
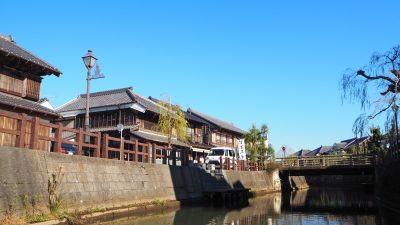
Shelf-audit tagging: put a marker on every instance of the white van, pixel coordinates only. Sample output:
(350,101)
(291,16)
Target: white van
(215,155)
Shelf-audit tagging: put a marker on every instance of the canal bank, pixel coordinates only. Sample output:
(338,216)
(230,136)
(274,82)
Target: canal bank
(83,183)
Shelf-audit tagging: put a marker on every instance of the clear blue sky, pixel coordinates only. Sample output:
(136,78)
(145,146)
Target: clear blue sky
(274,62)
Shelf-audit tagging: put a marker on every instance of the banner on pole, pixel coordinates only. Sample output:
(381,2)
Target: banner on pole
(242,149)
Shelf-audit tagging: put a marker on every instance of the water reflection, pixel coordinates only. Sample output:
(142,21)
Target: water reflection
(308,207)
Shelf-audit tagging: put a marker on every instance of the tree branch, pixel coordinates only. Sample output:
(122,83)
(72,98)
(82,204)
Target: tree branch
(362,73)
(382,110)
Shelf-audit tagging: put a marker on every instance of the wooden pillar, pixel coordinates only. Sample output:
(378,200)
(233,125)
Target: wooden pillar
(136,150)
(35,133)
(221,163)
(98,145)
(154,153)
(58,137)
(105,146)
(148,152)
(20,142)
(80,140)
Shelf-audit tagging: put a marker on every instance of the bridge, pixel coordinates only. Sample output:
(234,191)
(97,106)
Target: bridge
(328,165)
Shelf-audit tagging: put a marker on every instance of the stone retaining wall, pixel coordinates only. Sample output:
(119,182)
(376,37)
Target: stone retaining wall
(92,183)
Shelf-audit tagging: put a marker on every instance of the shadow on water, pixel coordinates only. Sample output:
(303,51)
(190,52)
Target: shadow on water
(314,206)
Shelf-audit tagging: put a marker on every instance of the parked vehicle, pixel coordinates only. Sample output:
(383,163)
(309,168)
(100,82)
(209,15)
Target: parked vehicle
(68,149)
(215,155)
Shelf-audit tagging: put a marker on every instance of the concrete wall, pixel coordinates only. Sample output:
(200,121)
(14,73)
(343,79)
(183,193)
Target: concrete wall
(257,181)
(98,183)
(304,182)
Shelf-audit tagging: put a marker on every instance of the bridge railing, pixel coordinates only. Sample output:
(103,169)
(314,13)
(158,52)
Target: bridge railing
(327,160)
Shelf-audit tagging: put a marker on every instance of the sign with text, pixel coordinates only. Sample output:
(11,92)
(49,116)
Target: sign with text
(242,149)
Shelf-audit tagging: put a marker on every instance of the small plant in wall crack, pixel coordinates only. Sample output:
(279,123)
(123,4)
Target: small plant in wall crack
(53,186)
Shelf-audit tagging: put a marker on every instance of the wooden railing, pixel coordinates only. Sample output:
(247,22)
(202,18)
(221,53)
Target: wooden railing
(117,148)
(241,165)
(20,130)
(327,160)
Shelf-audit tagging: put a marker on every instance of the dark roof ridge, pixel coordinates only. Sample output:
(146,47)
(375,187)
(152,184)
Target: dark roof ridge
(218,122)
(107,92)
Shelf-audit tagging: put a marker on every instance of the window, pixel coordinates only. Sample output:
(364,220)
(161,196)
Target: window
(218,138)
(223,139)
(11,84)
(214,138)
(229,140)
(189,132)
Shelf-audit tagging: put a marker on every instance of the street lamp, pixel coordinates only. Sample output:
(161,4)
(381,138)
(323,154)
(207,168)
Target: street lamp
(89,60)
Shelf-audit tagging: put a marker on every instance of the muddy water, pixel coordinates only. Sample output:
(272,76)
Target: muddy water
(344,207)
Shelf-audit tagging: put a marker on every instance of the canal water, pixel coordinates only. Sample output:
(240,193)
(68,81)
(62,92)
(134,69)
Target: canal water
(306,207)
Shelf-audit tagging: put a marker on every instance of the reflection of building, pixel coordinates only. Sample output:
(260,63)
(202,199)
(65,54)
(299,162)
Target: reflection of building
(21,74)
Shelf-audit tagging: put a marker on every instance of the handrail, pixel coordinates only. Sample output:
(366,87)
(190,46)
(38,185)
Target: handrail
(327,160)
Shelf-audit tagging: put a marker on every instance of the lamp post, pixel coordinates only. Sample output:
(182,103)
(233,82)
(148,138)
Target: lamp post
(89,60)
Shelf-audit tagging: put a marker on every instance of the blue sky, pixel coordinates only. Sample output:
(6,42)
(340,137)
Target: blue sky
(273,62)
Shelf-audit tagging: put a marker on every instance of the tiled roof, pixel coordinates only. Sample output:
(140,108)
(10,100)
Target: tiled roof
(301,152)
(356,142)
(19,102)
(109,98)
(188,115)
(322,150)
(8,46)
(98,99)
(147,135)
(217,122)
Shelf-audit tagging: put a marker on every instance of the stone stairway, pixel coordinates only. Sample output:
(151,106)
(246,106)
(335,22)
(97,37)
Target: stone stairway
(215,182)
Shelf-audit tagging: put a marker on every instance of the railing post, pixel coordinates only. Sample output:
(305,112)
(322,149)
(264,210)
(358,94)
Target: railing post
(154,153)
(105,146)
(351,160)
(58,137)
(80,141)
(229,163)
(22,130)
(136,150)
(98,145)
(35,132)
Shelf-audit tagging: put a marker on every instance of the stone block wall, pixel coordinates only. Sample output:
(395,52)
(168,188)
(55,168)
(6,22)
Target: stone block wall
(90,183)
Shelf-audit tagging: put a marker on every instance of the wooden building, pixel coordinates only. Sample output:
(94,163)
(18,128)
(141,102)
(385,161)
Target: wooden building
(21,74)
(138,115)
(215,133)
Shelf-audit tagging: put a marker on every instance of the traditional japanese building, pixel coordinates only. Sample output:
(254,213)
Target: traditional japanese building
(215,133)
(137,114)
(21,74)
(218,132)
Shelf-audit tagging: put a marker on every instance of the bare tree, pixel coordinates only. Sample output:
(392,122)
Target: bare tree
(376,87)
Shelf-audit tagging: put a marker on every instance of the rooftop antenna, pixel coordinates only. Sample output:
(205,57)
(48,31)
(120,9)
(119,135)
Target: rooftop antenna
(97,73)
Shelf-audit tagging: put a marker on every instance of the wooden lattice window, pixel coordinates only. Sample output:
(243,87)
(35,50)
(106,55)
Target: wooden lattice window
(32,89)
(10,84)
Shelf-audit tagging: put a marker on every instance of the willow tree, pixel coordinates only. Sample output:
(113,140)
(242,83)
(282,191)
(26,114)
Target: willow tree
(172,122)
(255,141)
(375,87)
